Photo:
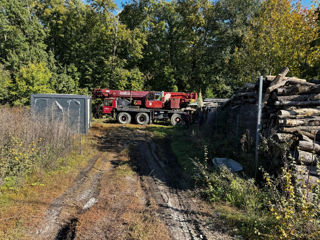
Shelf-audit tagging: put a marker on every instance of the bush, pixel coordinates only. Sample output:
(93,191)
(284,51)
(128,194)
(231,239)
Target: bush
(223,185)
(294,204)
(28,145)
(286,207)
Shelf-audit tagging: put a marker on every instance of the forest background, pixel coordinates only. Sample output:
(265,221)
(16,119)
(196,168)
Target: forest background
(73,46)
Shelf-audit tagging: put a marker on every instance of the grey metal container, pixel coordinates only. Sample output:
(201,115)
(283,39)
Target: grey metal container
(74,110)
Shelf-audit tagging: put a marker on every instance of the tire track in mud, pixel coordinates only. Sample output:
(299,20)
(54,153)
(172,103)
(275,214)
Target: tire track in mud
(62,215)
(177,207)
(94,207)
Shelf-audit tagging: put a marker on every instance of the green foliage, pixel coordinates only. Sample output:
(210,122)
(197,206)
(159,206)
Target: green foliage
(223,185)
(209,46)
(67,81)
(28,146)
(32,79)
(282,207)
(294,203)
(17,158)
(5,83)
(21,35)
(279,36)
(125,79)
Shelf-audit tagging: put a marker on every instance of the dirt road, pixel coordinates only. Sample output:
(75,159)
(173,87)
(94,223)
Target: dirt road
(128,192)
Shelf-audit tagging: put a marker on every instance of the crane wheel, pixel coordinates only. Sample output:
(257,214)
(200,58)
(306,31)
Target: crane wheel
(124,118)
(176,119)
(142,118)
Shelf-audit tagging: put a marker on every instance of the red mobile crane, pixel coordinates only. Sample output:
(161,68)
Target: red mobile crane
(146,106)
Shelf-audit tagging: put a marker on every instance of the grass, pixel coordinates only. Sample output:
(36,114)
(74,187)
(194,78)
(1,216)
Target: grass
(184,143)
(22,207)
(245,206)
(51,156)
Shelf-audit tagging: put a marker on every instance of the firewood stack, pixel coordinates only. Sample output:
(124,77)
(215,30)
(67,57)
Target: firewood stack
(290,113)
(293,110)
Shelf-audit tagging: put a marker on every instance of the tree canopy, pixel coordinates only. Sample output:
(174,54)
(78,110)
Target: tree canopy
(73,46)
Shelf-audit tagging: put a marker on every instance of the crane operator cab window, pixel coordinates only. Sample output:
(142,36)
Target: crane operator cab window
(150,96)
(158,96)
(155,96)
(108,102)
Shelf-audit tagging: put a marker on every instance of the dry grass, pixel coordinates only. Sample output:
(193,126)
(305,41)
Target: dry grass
(122,212)
(29,145)
(38,162)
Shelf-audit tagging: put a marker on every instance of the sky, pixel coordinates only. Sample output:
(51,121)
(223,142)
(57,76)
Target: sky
(305,3)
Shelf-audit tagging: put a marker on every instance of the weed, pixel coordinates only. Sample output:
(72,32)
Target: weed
(281,207)
(28,146)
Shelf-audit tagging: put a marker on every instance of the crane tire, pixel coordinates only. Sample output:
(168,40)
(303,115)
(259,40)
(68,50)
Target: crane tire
(142,118)
(124,118)
(176,119)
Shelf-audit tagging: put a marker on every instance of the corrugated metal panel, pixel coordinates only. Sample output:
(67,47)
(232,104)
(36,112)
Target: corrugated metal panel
(75,110)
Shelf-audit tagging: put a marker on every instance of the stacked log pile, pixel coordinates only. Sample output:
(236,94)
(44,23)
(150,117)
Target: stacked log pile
(294,104)
(291,113)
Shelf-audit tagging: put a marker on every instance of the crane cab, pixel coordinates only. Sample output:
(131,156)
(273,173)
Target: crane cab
(154,100)
(108,105)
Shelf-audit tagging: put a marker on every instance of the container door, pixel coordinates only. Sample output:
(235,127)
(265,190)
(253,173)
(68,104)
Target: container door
(74,117)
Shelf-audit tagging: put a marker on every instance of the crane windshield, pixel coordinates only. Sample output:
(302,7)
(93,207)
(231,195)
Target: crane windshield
(155,96)
(108,102)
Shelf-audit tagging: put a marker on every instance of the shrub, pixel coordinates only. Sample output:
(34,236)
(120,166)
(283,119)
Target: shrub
(294,204)
(223,185)
(29,145)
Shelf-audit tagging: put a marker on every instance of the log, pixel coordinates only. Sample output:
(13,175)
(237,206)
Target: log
(283,137)
(288,122)
(270,78)
(246,94)
(306,157)
(312,129)
(309,180)
(297,89)
(306,138)
(309,146)
(291,122)
(278,81)
(305,134)
(297,103)
(300,112)
(304,97)
(295,81)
